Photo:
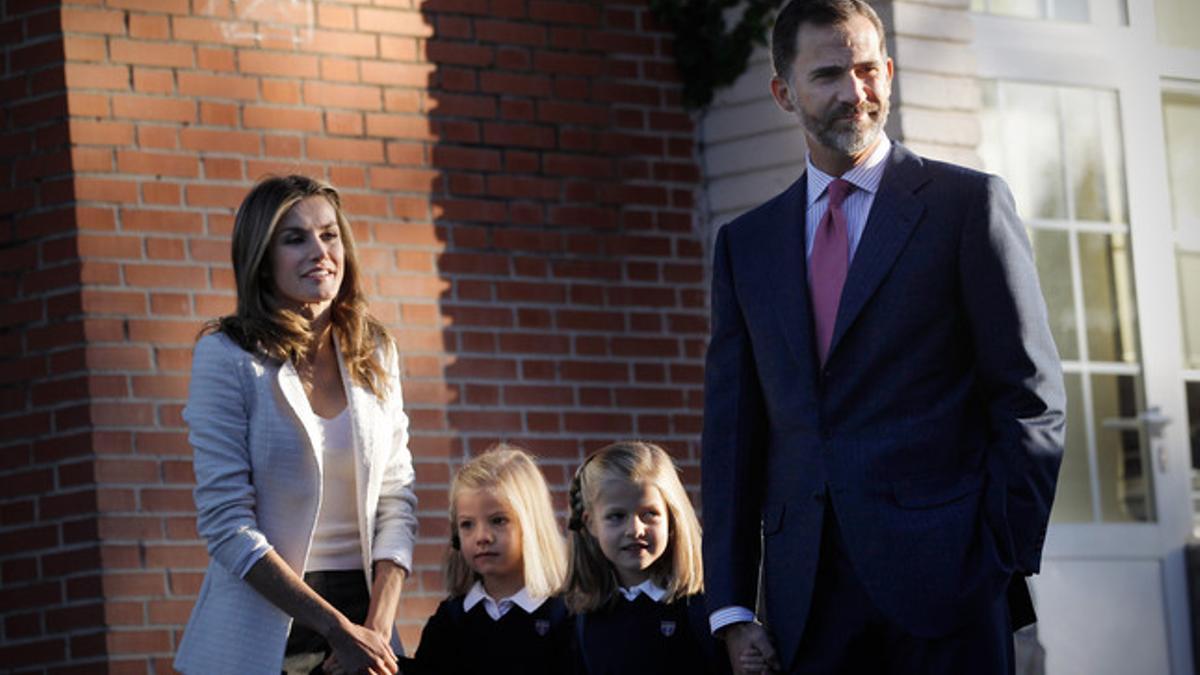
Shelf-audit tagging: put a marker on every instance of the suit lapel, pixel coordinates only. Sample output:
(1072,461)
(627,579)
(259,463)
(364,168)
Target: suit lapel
(894,215)
(781,245)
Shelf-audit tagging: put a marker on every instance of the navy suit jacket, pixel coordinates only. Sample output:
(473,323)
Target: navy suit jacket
(934,430)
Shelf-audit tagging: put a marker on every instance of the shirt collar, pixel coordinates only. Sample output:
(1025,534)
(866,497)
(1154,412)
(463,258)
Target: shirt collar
(497,608)
(647,588)
(865,176)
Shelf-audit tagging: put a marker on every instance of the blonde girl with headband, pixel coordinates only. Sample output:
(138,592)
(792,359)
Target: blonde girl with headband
(635,580)
(506,561)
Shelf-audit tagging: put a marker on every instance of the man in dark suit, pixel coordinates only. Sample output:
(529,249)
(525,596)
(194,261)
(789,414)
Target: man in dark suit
(884,411)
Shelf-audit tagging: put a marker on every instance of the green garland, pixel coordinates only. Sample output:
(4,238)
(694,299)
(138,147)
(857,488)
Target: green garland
(708,57)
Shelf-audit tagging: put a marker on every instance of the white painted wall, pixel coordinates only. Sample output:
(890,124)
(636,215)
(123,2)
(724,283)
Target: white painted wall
(750,149)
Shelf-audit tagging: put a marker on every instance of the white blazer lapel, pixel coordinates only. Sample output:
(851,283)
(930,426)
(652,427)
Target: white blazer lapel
(293,392)
(364,424)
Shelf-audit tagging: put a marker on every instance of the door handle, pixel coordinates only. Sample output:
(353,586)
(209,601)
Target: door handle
(1153,422)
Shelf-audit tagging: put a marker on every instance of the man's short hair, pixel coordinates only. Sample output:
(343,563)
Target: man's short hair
(817,12)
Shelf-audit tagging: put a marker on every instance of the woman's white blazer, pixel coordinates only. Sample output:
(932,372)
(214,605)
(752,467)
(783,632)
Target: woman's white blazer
(258,487)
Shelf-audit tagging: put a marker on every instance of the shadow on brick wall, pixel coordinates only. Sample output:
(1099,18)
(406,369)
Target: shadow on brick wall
(572,299)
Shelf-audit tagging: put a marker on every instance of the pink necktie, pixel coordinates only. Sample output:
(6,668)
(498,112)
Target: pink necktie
(827,265)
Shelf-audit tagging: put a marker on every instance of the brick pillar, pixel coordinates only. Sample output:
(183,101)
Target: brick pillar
(571,309)
(50,559)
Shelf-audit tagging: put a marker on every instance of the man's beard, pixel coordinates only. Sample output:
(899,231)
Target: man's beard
(833,132)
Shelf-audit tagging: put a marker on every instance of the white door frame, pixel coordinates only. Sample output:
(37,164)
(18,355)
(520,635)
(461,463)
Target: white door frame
(1127,60)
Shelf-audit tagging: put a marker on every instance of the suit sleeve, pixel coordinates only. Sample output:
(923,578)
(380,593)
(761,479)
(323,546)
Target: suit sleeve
(396,519)
(218,420)
(734,447)
(1019,373)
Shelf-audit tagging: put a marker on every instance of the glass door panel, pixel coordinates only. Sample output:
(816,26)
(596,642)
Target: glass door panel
(1024,132)
(1095,168)
(1193,411)
(1060,149)
(1177,23)
(1053,249)
(1181,122)
(1189,294)
(1029,9)
(1073,498)
(1108,297)
(1121,453)
(1099,12)
(1181,125)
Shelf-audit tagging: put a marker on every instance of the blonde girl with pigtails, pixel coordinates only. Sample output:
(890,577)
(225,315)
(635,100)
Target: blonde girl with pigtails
(635,581)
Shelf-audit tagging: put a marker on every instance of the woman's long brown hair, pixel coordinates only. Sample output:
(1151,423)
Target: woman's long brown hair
(262,322)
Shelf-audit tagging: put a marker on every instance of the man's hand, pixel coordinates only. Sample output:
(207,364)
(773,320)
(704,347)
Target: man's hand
(750,649)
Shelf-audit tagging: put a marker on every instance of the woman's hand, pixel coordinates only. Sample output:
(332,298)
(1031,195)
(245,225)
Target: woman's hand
(385,598)
(357,649)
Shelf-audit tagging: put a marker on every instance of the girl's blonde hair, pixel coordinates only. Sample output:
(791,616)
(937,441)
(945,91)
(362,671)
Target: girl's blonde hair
(510,473)
(262,322)
(591,580)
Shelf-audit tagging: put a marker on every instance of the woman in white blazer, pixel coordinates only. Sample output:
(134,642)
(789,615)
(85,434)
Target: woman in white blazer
(303,473)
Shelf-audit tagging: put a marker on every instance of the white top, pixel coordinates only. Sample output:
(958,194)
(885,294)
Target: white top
(647,588)
(336,545)
(498,608)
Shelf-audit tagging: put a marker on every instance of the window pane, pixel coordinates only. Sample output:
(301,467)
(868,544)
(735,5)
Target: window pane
(1073,496)
(1022,142)
(1181,120)
(1177,23)
(1193,406)
(1093,145)
(1109,307)
(1052,251)
(1189,295)
(1071,10)
(1120,454)
(991,122)
(1096,12)
(1031,9)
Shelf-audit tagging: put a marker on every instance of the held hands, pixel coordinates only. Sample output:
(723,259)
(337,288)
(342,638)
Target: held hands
(750,649)
(357,649)
(369,643)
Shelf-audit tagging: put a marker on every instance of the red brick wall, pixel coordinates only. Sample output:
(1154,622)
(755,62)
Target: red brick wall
(520,178)
(49,555)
